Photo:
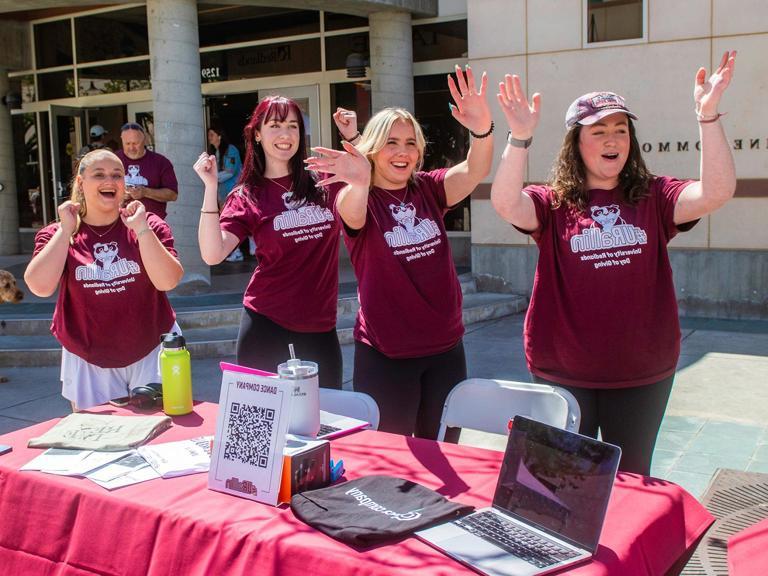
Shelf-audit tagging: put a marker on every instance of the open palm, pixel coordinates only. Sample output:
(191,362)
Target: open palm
(707,92)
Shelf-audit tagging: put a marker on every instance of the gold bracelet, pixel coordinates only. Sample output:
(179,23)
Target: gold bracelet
(208,211)
(142,231)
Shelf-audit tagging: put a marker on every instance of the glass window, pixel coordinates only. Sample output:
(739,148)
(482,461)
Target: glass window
(348,51)
(296,57)
(23,89)
(447,140)
(440,41)
(352,96)
(115,78)
(53,44)
(229,24)
(55,85)
(609,20)
(25,149)
(335,21)
(119,34)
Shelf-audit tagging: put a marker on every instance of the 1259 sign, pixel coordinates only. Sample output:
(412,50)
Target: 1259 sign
(211,73)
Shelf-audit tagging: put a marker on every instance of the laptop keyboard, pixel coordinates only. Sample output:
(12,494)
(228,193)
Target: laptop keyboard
(325,429)
(515,539)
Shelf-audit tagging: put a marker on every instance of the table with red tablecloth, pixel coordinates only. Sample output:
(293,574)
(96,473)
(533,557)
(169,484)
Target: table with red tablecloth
(748,551)
(60,525)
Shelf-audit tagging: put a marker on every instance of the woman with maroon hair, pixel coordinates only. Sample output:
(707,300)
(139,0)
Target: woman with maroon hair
(292,295)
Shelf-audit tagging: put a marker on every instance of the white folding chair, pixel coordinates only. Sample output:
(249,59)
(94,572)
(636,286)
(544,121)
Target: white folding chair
(348,403)
(488,405)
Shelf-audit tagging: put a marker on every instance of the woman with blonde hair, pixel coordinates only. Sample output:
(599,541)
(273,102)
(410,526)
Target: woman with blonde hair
(408,335)
(112,267)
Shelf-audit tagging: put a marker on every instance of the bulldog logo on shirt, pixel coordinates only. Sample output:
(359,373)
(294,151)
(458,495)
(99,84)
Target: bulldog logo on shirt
(290,203)
(106,265)
(607,216)
(133,176)
(607,230)
(409,228)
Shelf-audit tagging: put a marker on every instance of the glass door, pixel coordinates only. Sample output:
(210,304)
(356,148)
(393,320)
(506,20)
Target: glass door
(66,128)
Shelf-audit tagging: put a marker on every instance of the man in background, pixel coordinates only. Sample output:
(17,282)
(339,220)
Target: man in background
(97,135)
(149,176)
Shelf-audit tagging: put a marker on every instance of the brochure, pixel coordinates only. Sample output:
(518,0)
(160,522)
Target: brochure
(179,458)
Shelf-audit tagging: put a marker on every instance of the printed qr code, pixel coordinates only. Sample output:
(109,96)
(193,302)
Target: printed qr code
(248,434)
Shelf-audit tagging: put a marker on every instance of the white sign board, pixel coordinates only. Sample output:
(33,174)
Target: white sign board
(247,457)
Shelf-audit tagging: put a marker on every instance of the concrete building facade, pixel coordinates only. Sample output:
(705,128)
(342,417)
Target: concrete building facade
(177,65)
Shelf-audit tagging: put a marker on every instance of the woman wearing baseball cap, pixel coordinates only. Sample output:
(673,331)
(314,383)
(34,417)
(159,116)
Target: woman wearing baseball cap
(602,320)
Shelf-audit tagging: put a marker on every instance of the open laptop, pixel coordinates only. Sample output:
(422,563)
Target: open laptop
(334,425)
(548,509)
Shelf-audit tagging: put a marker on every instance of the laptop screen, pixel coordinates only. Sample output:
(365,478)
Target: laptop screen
(557,480)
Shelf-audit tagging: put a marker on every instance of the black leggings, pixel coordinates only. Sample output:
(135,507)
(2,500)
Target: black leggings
(627,417)
(263,344)
(410,392)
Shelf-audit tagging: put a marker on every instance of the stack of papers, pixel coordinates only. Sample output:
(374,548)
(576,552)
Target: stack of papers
(113,470)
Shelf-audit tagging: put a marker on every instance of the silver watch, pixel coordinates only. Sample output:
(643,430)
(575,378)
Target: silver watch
(512,141)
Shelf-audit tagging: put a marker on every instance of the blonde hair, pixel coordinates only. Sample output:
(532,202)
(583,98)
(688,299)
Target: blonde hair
(377,131)
(76,188)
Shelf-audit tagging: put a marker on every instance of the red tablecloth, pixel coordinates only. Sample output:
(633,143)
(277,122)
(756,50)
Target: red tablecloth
(748,551)
(58,525)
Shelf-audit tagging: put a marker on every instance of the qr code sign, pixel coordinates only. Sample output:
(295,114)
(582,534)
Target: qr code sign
(249,431)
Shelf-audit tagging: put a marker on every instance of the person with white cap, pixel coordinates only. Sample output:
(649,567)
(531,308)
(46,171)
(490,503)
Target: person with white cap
(602,320)
(97,134)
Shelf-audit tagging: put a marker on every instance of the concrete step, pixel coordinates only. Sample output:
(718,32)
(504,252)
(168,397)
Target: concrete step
(219,338)
(207,311)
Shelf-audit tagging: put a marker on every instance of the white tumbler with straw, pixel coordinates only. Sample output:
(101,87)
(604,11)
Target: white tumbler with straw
(305,413)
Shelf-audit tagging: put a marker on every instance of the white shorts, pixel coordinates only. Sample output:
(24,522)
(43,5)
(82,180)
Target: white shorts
(88,385)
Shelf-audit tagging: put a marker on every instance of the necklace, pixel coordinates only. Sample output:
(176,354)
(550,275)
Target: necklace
(103,233)
(289,190)
(402,202)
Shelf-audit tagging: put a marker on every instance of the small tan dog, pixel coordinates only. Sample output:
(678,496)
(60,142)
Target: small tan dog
(9,292)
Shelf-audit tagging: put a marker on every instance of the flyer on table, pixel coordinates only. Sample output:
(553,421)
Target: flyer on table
(251,425)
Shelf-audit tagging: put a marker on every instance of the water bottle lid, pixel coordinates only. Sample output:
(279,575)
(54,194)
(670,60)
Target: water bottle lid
(296,369)
(173,340)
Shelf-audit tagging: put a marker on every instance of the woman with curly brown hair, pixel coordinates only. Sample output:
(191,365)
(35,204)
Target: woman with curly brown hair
(602,321)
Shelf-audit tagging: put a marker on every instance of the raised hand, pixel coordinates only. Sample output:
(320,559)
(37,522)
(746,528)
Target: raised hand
(470,106)
(707,92)
(68,212)
(521,116)
(207,169)
(134,216)
(348,166)
(346,123)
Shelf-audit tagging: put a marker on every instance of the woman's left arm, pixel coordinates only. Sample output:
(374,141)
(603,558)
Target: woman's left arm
(471,111)
(717,179)
(163,268)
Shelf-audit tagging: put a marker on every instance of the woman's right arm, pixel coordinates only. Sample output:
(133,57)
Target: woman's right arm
(215,243)
(43,274)
(352,168)
(507,196)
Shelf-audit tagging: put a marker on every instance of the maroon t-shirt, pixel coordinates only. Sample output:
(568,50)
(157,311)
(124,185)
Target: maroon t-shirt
(108,311)
(410,297)
(152,170)
(296,283)
(603,312)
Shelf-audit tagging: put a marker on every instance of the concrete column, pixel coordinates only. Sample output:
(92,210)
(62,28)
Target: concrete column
(179,131)
(391,60)
(9,209)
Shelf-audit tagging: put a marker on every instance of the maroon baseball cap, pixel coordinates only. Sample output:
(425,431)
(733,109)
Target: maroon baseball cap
(589,108)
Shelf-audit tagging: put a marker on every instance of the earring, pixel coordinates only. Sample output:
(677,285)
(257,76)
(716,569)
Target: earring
(258,142)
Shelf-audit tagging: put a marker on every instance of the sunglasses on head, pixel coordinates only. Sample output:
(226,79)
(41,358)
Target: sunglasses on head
(132,126)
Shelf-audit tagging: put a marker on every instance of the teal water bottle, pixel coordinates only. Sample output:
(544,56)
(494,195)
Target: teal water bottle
(176,375)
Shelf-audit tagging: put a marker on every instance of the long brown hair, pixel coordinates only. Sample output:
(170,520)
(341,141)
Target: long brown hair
(568,179)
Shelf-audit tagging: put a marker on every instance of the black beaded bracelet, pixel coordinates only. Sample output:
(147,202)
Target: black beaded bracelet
(355,137)
(484,134)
